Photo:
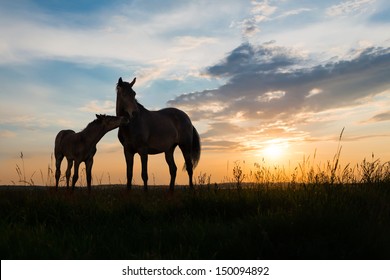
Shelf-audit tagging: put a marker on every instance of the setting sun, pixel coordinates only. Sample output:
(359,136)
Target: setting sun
(274,150)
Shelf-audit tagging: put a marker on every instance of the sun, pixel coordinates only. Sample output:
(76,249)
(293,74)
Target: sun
(274,150)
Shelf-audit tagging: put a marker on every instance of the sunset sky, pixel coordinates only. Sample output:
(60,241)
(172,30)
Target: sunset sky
(263,81)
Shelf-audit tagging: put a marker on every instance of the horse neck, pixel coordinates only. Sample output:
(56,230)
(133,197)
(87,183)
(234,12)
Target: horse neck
(119,109)
(121,112)
(142,109)
(93,133)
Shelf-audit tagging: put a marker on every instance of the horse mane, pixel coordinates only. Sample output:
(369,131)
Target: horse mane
(93,123)
(140,106)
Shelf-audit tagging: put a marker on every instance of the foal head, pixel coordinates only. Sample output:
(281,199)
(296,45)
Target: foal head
(111,122)
(125,99)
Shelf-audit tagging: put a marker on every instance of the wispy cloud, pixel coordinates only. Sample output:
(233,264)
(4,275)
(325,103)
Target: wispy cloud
(264,11)
(110,147)
(41,123)
(126,36)
(381,117)
(261,11)
(351,7)
(294,12)
(7,134)
(97,106)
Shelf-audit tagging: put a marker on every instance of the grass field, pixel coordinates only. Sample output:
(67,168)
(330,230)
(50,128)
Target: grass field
(266,221)
(315,212)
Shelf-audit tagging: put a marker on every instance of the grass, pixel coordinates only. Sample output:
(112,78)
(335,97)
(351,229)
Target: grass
(314,212)
(282,222)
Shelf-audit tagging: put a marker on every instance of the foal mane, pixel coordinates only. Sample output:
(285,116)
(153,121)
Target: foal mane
(93,123)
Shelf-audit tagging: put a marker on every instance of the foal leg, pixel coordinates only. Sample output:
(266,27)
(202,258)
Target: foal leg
(88,167)
(68,169)
(76,173)
(59,159)
(172,167)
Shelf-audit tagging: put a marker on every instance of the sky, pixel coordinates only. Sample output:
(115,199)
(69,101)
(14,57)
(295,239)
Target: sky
(271,82)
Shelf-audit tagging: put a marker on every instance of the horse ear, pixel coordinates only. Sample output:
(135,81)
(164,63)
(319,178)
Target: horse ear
(120,81)
(132,83)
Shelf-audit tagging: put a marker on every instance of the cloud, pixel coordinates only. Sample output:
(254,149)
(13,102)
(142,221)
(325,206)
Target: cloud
(110,147)
(385,116)
(222,128)
(313,92)
(294,12)
(99,107)
(267,84)
(248,58)
(219,145)
(133,35)
(347,8)
(261,11)
(7,134)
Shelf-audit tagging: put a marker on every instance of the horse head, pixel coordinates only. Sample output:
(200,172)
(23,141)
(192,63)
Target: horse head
(126,104)
(111,122)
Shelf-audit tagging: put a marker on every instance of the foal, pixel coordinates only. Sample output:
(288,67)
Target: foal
(81,147)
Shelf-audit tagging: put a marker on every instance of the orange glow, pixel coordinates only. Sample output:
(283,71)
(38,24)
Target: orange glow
(110,166)
(275,150)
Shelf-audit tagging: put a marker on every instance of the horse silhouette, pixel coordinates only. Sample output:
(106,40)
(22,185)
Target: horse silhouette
(81,147)
(154,132)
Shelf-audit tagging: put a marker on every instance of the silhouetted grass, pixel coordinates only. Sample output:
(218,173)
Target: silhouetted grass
(314,212)
(290,221)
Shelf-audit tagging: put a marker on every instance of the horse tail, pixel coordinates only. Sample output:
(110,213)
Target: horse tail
(195,150)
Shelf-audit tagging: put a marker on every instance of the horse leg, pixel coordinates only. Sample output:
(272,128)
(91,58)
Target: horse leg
(76,173)
(129,167)
(88,169)
(68,169)
(59,159)
(172,167)
(188,163)
(144,173)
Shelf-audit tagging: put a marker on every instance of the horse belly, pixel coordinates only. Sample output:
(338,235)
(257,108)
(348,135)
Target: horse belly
(158,145)
(153,151)
(162,140)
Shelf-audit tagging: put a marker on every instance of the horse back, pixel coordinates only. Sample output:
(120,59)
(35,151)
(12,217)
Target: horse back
(61,139)
(180,119)
(179,122)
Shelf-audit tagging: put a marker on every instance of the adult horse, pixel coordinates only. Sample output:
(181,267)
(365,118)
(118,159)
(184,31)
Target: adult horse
(154,132)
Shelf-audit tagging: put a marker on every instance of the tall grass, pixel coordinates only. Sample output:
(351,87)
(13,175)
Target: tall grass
(262,174)
(314,211)
(331,173)
(21,172)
